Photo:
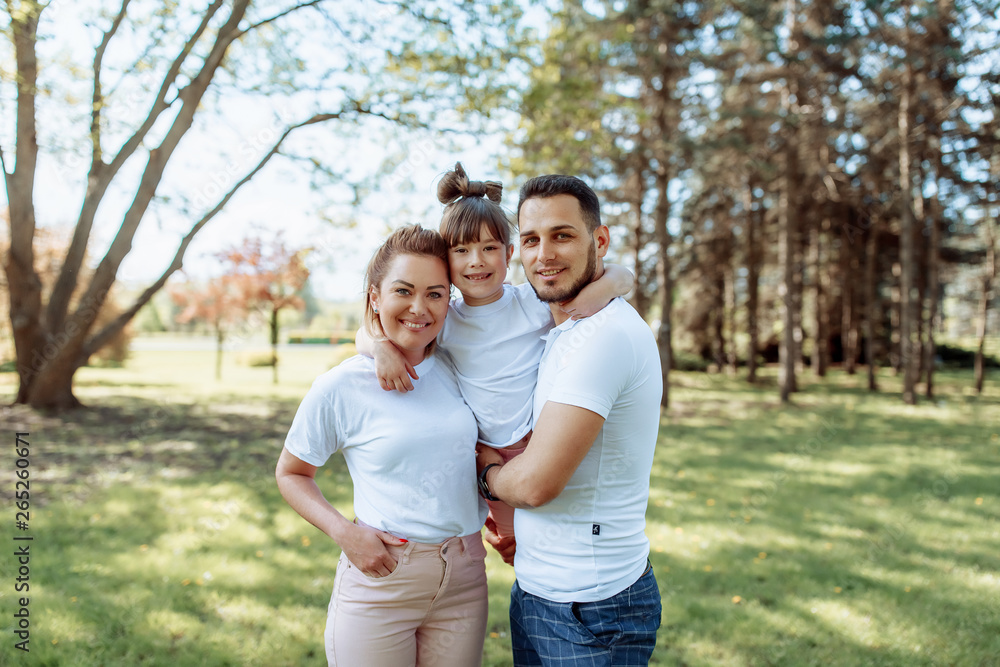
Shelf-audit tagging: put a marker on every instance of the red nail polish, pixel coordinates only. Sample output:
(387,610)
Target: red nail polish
(402,540)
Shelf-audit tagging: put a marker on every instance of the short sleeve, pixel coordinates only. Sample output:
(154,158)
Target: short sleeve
(589,373)
(313,435)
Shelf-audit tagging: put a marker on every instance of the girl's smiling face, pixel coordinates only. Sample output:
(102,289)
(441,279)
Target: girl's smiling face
(412,302)
(478,268)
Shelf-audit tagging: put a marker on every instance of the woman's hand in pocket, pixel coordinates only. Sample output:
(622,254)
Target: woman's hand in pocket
(366,549)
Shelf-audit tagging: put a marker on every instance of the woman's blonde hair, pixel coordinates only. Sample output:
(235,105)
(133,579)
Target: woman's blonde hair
(407,240)
(468,206)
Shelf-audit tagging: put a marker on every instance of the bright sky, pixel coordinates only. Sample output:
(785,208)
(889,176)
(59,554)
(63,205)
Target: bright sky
(218,151)
(278,199)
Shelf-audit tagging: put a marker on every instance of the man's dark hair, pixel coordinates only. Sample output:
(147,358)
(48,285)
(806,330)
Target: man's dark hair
(557,184)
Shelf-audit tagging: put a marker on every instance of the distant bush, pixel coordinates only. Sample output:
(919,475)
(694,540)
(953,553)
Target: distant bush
(320,337)
(686,361)
(951,356)
(115,352)
(258,360)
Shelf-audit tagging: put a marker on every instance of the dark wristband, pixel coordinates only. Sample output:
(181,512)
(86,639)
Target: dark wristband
(484,487)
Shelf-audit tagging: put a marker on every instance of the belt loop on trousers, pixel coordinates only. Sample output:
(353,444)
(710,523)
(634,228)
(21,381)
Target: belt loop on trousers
(451,544)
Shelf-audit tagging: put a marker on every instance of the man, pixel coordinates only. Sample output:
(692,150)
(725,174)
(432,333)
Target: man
(585,591)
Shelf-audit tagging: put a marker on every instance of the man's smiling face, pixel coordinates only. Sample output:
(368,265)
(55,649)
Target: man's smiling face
(558,253)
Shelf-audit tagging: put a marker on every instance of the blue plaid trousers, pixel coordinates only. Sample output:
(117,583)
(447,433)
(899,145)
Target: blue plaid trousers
(618,631)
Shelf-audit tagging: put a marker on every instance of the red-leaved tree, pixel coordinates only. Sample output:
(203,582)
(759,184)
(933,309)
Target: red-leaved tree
(268,275)
(219,303)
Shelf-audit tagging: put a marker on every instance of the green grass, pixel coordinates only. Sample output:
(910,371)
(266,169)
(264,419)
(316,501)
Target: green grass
(845,529)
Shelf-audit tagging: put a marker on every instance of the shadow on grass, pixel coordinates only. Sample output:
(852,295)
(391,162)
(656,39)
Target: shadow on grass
(130,437)
(827,536)
(846,531)
(161,538)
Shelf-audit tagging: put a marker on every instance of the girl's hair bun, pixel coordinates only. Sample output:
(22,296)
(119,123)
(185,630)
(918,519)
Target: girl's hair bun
(456,184)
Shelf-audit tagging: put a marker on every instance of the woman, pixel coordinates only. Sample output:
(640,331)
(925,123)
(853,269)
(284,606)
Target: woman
(410,587)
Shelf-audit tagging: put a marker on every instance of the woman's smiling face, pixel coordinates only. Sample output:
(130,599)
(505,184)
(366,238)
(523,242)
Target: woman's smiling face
(412,302)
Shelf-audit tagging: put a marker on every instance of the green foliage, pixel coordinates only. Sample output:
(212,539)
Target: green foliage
(845,529)
(953,356)
(148,319)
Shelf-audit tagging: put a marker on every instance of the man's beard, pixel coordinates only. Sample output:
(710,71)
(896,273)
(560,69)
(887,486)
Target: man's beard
(573,290)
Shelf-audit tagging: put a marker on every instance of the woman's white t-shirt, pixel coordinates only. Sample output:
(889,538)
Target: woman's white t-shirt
(495,350)
(411,456)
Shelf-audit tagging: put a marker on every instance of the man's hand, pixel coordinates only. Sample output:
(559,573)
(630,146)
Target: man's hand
(616,281)
(505,546)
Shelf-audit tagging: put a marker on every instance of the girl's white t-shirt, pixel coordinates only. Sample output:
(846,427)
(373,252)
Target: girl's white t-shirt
(495,350)
(411,456)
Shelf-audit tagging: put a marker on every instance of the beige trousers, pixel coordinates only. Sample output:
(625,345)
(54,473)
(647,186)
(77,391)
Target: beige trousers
(430,610)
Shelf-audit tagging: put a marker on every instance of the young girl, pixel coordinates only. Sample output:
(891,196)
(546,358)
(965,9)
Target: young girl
(410,587)
(493,332)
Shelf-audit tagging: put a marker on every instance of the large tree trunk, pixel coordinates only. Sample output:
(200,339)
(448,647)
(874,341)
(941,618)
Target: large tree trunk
(799,245)
(53,388)
(788,229)
(907,241)
(786,350)
(753,283)
(640,301)
(663,273)
(848,270)
(871,302)
(896,322)
(920,277)
(718,320)
(730,306)
(820,356)
(788,208)
(23,283)
(51,385)
(933,289)
(985,296)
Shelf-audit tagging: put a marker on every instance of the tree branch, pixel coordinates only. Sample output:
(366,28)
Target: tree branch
(160,104)
(98,97)
(102,337)
(416,13)
(288,11)
(101,175)
(191,96)
(6,174)
(65,284)
(21,182)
